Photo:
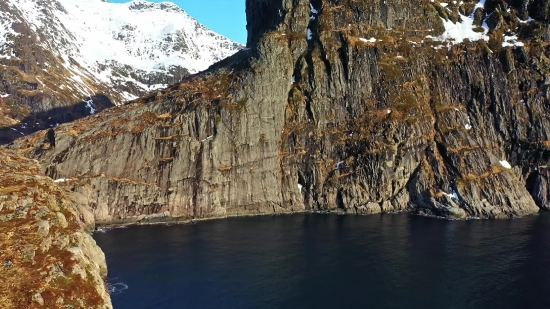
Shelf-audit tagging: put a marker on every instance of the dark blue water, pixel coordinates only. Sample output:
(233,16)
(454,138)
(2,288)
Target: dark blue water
(329,261)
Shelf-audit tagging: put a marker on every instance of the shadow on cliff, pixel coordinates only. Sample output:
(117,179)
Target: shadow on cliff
(54,117)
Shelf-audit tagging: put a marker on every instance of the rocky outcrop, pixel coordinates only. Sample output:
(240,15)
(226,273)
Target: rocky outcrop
(352,106)
(47,259)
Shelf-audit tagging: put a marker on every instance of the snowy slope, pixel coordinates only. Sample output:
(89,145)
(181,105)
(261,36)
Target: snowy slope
(135,47)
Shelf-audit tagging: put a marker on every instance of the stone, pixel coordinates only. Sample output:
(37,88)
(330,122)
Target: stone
(43,228)
(37,297)
(46,244)
(61,220)
(7,264)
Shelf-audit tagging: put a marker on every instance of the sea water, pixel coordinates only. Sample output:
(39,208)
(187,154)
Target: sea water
(329,261)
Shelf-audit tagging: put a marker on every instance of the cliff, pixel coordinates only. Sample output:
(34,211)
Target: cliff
(47,259)
(342,105)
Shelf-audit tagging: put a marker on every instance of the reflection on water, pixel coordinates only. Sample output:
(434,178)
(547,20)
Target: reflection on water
(327,261)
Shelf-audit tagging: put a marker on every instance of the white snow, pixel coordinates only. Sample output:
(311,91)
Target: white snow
(505,164)
(468,126)
(479,5)
(6,33)
(137,36)
(371,40)
(511,40)
(61,180)
(300,187)
(208,138)
(452,195)
(309,34)
(339,165)
(458,32)
(4,95)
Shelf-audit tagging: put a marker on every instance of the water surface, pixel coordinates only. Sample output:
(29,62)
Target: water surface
(329,261)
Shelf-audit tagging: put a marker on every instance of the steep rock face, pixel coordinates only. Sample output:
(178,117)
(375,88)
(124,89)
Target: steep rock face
(46,257)
(62,60)
(356,106)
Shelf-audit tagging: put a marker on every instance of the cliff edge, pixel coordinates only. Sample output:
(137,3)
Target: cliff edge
(47,259)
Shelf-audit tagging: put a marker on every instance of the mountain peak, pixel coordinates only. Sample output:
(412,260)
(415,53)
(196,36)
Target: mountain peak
(121,50)
(144,5)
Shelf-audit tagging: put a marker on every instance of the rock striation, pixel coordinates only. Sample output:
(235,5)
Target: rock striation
(47,258)
(335,105)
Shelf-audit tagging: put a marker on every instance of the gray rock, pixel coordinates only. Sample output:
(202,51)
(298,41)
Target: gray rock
(37,297)
(43,228)
(61,220)
(7,264)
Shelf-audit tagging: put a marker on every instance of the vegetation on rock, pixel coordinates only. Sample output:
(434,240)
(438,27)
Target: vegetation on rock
(47,260)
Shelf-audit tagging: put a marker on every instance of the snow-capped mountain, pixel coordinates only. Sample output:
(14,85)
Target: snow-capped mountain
(56,53)
(96,39)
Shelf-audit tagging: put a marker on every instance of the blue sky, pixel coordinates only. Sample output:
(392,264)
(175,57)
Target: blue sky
(226,17)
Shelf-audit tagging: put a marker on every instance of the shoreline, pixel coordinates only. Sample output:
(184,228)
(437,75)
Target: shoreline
(181,221)
(103,227)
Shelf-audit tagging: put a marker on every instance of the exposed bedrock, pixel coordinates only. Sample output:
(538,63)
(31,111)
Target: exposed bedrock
(334,105)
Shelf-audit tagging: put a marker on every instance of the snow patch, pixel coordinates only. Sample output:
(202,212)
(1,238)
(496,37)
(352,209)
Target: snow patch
(371,40)
(458,32)
(61,180)
(453,195)
(6,34)
(511,40)
(468,126)
(505,164)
